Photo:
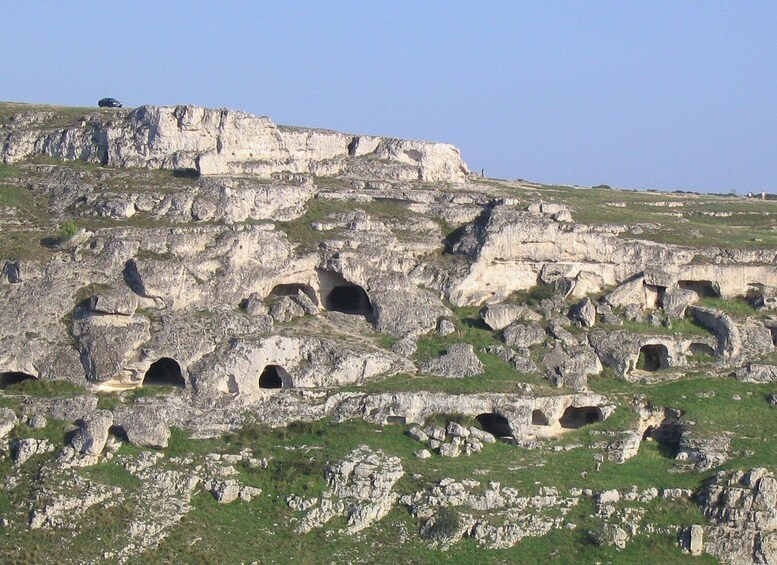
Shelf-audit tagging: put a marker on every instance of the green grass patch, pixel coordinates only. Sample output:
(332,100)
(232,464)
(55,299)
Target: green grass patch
(112,474)
(45,388)
(737,307)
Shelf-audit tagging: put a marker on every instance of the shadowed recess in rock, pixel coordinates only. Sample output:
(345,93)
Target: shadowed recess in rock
(667,435)
(13,378)
(274,376)
(495,424)
(652,358)
(165,372)
(292,289)
(349,299)
(705,289)
(539,419)
(574,418)
(701,349)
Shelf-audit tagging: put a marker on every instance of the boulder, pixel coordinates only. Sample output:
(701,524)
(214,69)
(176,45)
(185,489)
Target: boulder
(459,361)
(452,449)
(143,427)
(93,431)
(254,306)
(629,292)
(225,491)
(584,312)
(22,450)
(286,309)
(457,430)
(445,327)
(304,302)
(120,302)
(37,422)
(520,335)
(499,316)
(706,452)
(406,346)
(417,434)
(8,421)
(696,540)
(676,301)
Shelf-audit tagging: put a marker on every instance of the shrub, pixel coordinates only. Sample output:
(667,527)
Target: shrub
(67,230)
(534,295)
(443,525)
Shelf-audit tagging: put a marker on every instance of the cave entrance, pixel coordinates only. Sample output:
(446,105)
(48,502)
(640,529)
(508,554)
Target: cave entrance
(341,295)
(14,378)
(701,349)
(704,289)
(165,372)
(495,424)
(667,435)
(652,358)
(349,299)
(574,418)
(292,289)
(274,376)
(538,418)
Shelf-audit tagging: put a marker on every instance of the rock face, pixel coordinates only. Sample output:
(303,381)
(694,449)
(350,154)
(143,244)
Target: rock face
(742,509)
(360,487)
(217,142)
(754,373)
(241,276)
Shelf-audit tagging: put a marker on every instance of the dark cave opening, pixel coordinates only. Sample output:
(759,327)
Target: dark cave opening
(704,289)
(574,418)
(165,372)
(13,378)
(349,299)
(274,376)
(652,358)
(495,424)
(538,418)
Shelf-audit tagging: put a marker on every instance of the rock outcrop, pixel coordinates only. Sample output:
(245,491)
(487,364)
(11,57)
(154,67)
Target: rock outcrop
(217,142)
(742,509)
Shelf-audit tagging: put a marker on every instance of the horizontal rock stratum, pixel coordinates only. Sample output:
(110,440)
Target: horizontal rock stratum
(220,141)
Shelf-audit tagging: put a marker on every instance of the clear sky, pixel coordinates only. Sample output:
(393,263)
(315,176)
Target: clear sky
(651,94)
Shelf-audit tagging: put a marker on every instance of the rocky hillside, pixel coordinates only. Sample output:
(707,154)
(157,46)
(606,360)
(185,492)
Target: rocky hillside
(228,341)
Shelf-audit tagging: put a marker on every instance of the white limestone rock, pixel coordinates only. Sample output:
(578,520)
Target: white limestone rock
(457,362)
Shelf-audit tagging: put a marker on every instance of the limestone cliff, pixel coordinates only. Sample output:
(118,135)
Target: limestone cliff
(215,142)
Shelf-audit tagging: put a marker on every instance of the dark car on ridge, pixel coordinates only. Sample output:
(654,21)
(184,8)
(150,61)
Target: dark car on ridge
(109,103)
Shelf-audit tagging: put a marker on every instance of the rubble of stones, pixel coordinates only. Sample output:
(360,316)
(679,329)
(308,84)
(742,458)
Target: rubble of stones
(214,295)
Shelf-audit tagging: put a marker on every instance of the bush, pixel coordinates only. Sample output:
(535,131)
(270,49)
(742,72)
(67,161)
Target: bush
(443,525)
(67,230)
(534,295)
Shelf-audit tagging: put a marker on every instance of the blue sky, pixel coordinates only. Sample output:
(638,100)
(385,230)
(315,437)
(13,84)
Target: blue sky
(670,95)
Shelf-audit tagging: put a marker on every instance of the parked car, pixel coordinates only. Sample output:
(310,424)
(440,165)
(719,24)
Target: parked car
(109,103)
